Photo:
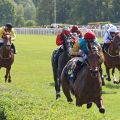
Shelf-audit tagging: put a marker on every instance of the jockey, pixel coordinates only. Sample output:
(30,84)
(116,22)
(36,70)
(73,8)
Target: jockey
(76,30)
(8,28)
(81,49)
(83,44)
(60,41)
(108,37)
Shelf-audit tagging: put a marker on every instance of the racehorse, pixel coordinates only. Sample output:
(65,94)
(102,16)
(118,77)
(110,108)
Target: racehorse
(6,55)
(112,58)
(87,86)
(63,59)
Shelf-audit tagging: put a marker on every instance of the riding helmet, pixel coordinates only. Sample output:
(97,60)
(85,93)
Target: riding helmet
(8,25)
(113,29)
(89,35)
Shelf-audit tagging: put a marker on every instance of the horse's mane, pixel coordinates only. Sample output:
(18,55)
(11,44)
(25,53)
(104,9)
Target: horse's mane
(117,36)
(101,54)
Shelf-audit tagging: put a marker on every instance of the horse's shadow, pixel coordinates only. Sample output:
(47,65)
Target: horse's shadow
(2,114)
(112,86)
(52,84)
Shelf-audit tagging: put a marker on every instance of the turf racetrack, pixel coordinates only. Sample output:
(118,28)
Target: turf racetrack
(31,95)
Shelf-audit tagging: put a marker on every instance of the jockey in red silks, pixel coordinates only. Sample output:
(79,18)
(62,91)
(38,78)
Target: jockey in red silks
(60,41)
(76,29)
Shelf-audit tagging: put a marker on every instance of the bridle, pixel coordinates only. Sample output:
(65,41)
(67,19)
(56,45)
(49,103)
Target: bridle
(108,53)
(94,72)
(6,46)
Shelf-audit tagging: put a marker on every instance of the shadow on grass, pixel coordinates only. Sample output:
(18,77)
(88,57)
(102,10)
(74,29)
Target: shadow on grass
(52,84)
(112,86)
(2,114)
(109,92)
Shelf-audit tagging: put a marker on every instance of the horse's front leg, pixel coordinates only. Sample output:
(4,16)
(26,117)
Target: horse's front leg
(114,77)
(108,74)
(99,104)
(102,77)
(58,86)
(7,76)
(119,76)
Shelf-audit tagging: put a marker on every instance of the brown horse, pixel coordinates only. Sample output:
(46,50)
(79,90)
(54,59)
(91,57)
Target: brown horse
(63,59)
(87,86)
(6,56)
(112,58)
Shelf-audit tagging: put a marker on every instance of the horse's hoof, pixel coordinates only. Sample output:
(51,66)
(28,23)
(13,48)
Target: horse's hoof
(9,81)
(119,81)
(89,105)
(58,96)
(108,79)
(70,100)
(102,110)
(116,82)
(103,83)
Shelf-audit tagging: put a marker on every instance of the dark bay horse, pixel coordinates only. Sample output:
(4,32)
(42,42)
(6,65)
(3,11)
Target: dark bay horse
(63,59)
(87,86)
(112,58)
(6,56)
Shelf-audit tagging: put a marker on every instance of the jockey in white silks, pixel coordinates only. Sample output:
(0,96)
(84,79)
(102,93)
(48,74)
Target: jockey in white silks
(108,37)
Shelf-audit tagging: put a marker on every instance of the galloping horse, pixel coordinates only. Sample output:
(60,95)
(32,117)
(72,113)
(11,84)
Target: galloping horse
(6,56)
(112,57)
(87,86)
(63,59)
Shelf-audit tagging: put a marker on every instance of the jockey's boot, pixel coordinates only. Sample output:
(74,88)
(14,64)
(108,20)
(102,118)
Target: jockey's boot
(14,49)
(1,44)
(72,73)
(56,56)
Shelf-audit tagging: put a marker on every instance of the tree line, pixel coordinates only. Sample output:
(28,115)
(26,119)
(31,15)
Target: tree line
(42,12)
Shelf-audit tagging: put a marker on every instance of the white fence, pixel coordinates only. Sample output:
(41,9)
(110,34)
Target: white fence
(52,31)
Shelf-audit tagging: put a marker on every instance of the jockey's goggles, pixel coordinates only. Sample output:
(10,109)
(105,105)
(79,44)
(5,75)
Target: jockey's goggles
(112,32)
(90,40)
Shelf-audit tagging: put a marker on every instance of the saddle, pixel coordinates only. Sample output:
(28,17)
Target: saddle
(73,67)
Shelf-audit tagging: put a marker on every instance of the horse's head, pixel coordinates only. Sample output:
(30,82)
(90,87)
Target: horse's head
(116,44)
(94,61)
(67,43)
(6,39)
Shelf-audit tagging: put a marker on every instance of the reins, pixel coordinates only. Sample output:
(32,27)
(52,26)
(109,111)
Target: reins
(113,56)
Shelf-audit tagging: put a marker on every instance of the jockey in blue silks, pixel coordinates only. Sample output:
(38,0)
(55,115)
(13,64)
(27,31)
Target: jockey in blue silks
(82,48)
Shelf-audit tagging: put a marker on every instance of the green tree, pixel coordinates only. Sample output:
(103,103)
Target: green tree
(45,12)
(7,12)
(19,18)
(29,9)
(116,10)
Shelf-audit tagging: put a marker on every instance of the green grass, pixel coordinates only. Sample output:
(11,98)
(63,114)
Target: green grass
(31,95)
